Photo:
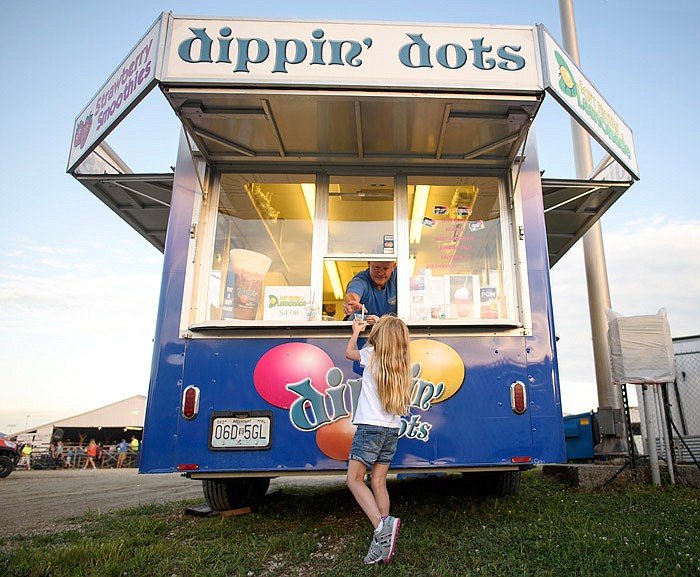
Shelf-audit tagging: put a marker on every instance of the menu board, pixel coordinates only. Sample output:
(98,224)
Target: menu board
(456,296)
(427,296)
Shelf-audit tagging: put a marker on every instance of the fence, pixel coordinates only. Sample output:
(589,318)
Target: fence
(75,457)
(682,398)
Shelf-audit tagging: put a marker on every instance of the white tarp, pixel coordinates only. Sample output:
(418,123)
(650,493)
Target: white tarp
(641,349)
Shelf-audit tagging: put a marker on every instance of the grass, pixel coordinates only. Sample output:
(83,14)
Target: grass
(549,529)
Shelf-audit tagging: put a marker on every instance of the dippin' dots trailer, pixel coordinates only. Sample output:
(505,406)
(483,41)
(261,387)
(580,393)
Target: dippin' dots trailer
(309,149)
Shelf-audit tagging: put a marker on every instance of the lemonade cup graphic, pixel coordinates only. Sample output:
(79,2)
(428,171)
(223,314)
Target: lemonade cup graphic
(249,268)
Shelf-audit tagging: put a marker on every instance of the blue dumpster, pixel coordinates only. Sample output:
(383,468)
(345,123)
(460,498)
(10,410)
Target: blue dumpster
(578,431)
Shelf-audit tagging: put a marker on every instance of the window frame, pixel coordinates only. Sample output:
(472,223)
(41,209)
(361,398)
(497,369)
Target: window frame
(514,271)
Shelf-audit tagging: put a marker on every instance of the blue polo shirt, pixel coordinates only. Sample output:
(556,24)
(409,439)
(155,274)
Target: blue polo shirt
(377,302)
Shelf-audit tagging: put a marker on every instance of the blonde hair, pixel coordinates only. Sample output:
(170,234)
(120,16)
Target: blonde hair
(390,364)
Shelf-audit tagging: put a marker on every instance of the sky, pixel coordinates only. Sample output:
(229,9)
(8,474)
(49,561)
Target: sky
(79,288)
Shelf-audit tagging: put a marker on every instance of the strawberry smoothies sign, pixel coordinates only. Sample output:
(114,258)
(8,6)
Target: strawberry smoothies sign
(131,81)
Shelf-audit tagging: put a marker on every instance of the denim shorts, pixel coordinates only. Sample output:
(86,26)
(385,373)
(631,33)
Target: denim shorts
(373,444)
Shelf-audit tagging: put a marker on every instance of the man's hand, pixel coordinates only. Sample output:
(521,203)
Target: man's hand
(352,304)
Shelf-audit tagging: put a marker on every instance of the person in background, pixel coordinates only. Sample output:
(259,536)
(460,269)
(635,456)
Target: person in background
(134,445)
(59,459)
(121,453)
(373,289)
(27,456)
(385,396)
(91,454)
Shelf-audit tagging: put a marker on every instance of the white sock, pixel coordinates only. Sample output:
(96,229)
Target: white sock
(379,527)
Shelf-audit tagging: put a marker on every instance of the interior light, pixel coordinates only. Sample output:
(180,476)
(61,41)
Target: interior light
(309,191)
(420,201)
(336,285)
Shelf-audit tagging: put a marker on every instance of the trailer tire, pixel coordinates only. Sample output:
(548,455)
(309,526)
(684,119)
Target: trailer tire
(497,483)
(228,494)
(7,465)
(507,483)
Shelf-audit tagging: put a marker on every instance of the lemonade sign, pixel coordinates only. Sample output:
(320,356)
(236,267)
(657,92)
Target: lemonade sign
(287,303)
(564,80)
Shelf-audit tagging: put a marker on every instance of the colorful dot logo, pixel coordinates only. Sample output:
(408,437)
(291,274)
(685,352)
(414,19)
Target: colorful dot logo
(287,364)
(440,363)
(439,373)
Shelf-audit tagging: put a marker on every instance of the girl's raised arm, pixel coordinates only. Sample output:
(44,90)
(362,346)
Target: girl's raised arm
(351,352)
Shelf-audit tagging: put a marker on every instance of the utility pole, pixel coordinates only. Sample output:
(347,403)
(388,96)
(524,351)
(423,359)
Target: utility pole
(610,413)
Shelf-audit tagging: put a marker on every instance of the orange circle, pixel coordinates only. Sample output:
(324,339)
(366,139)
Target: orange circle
(335,439)
(440,363)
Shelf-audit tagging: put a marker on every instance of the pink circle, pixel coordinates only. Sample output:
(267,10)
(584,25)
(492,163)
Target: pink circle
(287,364)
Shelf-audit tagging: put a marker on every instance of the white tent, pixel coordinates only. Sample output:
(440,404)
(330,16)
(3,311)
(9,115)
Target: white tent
(123,416)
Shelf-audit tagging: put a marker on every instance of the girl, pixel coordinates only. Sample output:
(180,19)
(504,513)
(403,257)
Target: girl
(385,395)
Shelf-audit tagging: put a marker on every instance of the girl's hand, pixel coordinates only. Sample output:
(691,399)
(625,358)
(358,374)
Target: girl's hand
(358,325)
(371,319)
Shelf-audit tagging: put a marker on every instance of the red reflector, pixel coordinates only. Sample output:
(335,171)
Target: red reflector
(518,398)
(190,402)
(521,460)
(187,467)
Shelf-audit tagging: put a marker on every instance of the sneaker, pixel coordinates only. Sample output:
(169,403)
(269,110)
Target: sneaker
(375,553)
(383,543)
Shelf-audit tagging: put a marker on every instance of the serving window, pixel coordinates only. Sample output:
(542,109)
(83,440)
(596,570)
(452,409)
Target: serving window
(283,247)
(261,258)
(456,249)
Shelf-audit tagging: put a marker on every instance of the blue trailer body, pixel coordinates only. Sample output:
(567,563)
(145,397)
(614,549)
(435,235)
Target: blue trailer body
(475,427)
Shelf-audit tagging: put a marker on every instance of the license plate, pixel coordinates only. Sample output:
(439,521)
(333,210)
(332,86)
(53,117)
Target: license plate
(241,432)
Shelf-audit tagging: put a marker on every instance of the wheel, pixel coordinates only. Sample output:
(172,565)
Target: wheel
(227,494)
(506,483)
(7,465)
(498,483)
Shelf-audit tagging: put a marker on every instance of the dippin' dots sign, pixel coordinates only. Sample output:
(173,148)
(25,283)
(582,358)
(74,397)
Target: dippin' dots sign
(225,47)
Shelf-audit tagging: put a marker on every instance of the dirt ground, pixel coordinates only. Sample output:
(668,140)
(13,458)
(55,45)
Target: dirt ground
(44,501)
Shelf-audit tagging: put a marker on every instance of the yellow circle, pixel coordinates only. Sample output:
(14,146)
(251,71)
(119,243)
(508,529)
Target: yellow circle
(439,363)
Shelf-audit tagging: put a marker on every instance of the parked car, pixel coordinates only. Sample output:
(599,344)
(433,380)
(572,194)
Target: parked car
(9,455)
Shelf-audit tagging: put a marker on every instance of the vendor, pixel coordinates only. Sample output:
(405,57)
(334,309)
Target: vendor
(374,289)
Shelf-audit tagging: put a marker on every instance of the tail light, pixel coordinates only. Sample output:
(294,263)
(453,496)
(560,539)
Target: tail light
(190,402)
(518,398)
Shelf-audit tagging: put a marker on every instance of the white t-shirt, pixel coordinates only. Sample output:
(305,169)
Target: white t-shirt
(369,410)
